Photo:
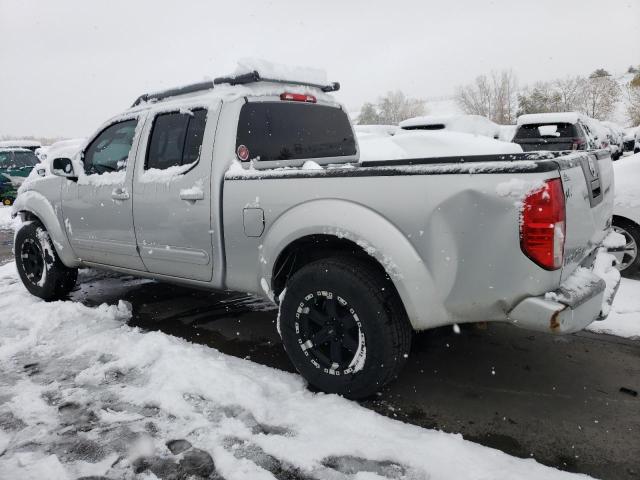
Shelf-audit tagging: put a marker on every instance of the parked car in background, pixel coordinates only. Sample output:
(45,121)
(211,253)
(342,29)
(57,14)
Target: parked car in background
(32,145)
(554,132)
(226,195)
(63,148)
(626,213)
(15,166)
(630,138)
(384,130)
(616,139)
(474,124)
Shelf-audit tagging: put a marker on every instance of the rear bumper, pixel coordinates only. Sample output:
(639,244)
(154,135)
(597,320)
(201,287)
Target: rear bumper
(568,310)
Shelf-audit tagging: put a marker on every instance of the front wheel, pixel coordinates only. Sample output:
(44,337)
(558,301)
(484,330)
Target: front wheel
(627,256)
(344,327)
(40,269)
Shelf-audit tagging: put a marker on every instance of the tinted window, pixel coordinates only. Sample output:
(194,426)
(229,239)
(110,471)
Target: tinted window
(5,159)
(433,126)
(110,150)
(287,131)
(546,130)
(176,139)
(25,159)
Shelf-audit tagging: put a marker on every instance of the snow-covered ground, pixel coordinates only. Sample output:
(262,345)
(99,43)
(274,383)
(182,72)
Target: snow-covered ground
(82,393)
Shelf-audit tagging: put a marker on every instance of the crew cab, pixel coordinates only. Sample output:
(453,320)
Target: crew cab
(253,183)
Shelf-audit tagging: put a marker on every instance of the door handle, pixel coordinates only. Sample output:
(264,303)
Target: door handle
(120,194)
(191,195)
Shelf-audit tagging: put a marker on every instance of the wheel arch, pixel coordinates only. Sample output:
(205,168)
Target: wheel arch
(31,205)
(327,227)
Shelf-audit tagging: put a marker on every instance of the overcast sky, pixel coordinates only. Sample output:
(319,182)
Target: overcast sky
(66,66)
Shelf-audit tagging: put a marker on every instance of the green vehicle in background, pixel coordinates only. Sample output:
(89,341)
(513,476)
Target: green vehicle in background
(15,166)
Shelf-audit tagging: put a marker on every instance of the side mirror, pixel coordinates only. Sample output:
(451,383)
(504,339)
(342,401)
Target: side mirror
(62,167)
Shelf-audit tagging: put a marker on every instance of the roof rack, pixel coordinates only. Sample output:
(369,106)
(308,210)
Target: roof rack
(254,76)
(172,92)
(251,77)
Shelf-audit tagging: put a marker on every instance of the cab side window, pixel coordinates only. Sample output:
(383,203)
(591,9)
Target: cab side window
(176,139)
(110,150)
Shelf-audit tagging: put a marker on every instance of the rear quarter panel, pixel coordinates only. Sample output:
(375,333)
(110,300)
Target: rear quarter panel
(449,242)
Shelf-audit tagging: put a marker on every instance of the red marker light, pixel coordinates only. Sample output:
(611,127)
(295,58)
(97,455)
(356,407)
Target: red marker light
(298,97)
(243,153)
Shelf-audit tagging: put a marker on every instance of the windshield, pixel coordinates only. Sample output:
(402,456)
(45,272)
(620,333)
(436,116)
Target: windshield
(546,130)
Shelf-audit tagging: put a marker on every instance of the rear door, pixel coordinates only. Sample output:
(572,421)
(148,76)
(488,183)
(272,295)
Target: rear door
(172,194)
(97,209)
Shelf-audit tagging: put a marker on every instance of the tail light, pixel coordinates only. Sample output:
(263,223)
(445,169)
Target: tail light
(578,144)
(542,225)
(298,97)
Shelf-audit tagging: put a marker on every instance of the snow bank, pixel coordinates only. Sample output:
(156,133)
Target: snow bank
(276,71)
(624,318)
(89,395)
(428,144)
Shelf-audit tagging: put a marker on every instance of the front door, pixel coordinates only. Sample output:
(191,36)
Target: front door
(97,209)
(172,194)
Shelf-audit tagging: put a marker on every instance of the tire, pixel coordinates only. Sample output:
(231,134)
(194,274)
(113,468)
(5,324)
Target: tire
(628,256)
(362,333)
(41,270)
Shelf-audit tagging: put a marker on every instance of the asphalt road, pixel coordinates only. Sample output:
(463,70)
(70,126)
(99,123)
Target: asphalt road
(569,402)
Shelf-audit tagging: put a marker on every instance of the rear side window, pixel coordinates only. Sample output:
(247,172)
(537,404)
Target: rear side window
(546,130)
(292,131)
(176,139)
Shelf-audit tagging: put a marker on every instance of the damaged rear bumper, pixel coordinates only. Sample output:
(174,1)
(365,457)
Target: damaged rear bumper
(567,309)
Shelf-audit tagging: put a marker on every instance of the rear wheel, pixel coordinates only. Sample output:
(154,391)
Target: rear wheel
(627,256)
(41,270)
(344,327)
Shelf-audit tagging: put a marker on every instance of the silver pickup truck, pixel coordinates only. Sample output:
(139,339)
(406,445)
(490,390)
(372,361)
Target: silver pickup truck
(255,185)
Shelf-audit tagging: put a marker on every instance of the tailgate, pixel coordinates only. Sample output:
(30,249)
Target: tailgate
(587,180)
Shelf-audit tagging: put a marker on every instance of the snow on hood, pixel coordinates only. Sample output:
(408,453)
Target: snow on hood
(427,144)
(476,124)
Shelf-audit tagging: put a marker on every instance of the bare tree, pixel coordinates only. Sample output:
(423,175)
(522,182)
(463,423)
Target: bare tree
(632,94)
(391,109)
(569,91)
(396,106)
(599,95)
(493,96)
(368,115)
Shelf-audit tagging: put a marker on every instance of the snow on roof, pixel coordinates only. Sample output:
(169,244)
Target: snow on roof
(20,143)
(13,149)
(277,71)
(559,117)
(267,70)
